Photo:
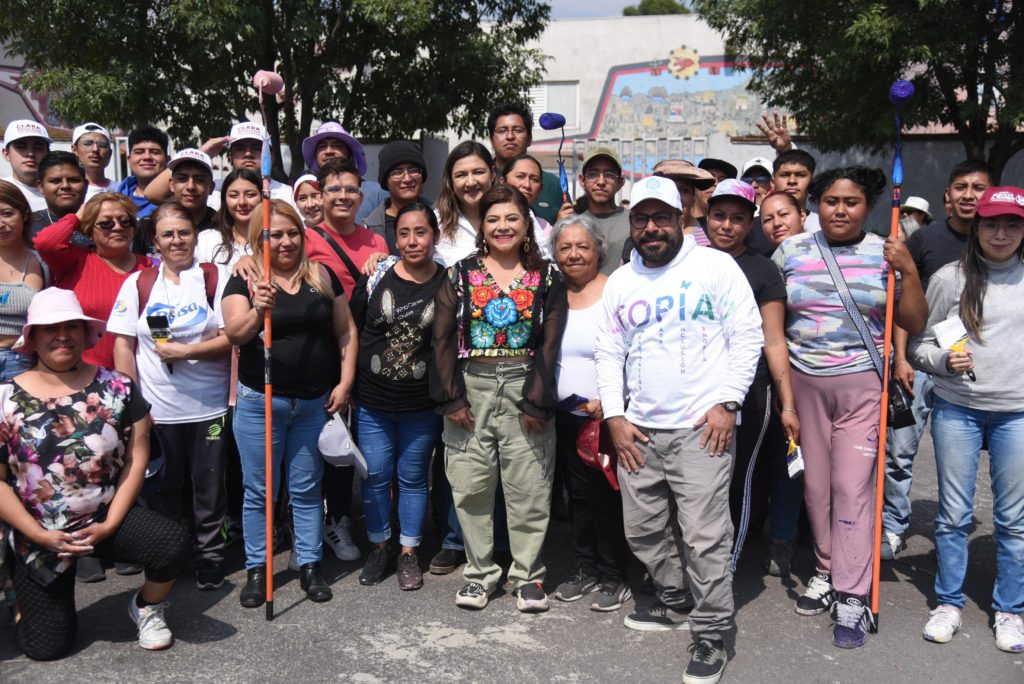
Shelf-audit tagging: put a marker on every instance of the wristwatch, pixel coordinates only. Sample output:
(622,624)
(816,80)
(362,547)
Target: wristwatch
(731,406)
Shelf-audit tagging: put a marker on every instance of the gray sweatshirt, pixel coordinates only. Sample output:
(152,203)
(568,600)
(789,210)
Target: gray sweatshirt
(999,359)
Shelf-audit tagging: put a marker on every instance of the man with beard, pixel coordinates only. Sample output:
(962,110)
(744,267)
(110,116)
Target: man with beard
(681,320)
(332,141)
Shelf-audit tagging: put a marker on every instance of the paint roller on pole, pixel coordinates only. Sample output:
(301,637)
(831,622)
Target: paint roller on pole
(899,94)
(551,121)
(267,82)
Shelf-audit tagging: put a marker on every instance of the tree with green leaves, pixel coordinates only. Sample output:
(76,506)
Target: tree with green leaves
(384,68)
(645,7)
(831,65)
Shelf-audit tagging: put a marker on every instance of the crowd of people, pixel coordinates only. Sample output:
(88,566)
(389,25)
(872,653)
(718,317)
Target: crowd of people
(504,357)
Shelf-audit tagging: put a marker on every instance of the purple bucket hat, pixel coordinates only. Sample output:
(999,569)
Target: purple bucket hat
(332,129)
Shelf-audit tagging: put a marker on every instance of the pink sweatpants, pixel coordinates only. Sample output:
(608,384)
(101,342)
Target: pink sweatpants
(839,440)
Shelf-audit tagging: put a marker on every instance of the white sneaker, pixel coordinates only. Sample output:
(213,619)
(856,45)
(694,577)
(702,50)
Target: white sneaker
(892,544)
(293,561)
(942,625)
(339,539)
(154,635)
(1010,632)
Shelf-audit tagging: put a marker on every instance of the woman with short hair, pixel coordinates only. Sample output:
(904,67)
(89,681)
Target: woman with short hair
(499,320)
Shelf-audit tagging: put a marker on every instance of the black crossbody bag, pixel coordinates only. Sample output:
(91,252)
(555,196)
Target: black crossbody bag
(900,413)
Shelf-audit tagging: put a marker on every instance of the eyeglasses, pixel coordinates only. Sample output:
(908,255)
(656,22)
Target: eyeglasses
(413,172)
(348,190)
(108,225)
(1012,228)
(175,234)
(610,176)
(514,130)
(102,144)
(662,219)
(760,180)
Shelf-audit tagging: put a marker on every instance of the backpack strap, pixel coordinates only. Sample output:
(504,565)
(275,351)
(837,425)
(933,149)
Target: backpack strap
(210,275)
(144,285)
(147,279)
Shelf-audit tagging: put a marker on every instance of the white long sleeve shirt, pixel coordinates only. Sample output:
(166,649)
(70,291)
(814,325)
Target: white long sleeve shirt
(688,335)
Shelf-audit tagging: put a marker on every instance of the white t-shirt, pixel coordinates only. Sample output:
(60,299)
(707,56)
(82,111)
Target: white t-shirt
(194,390)
(575,372)
(278,190)
(34,196)
(812,224)
(92,190)
(210,249)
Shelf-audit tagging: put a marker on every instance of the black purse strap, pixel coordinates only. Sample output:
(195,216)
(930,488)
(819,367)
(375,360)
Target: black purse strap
(851,307)
(353,271)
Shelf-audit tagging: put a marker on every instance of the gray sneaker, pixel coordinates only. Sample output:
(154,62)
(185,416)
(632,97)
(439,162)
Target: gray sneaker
(611,596)
(658,618)
(576,587)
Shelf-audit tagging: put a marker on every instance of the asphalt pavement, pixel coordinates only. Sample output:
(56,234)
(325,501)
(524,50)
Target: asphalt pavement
(380,634)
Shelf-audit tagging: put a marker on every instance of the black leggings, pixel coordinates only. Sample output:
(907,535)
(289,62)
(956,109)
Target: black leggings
(48,622)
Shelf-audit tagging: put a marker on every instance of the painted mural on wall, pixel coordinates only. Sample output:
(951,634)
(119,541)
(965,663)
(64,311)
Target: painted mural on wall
(683,96)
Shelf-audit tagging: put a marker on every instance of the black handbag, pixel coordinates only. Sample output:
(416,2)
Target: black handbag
(900,413)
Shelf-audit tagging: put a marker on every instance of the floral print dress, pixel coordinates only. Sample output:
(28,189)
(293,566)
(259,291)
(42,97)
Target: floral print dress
(65,455)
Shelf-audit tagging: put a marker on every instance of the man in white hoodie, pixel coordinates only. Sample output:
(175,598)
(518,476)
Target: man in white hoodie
(682,322)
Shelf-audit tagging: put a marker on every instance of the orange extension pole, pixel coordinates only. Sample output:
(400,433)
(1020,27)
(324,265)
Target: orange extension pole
(899,94)
(268,387)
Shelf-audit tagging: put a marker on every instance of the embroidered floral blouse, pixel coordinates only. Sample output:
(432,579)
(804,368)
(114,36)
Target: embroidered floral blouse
(65,455)
(477,318)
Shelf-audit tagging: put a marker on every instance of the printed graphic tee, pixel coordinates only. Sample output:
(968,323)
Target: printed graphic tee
(184,391)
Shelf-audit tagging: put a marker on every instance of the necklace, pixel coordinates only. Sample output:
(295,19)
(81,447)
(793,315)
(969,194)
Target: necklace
(54,370)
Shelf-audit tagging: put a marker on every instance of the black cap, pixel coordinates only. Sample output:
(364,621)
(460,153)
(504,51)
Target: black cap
(709,163)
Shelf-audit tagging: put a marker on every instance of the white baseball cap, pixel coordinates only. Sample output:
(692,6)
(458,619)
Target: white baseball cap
(191,154)
(656,188)
(89,128)
(248,130)
(756,161)
(25,128)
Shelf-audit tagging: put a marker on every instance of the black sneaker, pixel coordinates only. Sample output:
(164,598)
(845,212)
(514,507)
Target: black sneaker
(576,587)
(447,561)
(612,595)
(852,622)
(779,558)
(530,598)
(127,569)
(818,597)
(658,618)
(707,661)
(377,565)
(410,577)
(209,575)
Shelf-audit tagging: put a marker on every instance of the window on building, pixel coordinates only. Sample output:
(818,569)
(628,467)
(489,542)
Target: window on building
(561,97)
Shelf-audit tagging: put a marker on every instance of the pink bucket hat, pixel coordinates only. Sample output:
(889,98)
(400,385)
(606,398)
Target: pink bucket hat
(54,305)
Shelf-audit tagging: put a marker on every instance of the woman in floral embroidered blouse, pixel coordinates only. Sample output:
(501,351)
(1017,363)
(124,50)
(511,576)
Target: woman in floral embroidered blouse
(75,442)
(499,321)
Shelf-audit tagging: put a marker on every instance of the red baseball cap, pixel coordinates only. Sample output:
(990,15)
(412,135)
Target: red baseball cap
(998,201)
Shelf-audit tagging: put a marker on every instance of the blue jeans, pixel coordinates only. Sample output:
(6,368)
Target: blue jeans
(958,432)
(402,443)
(12,363)
(899,461)
(297,424)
